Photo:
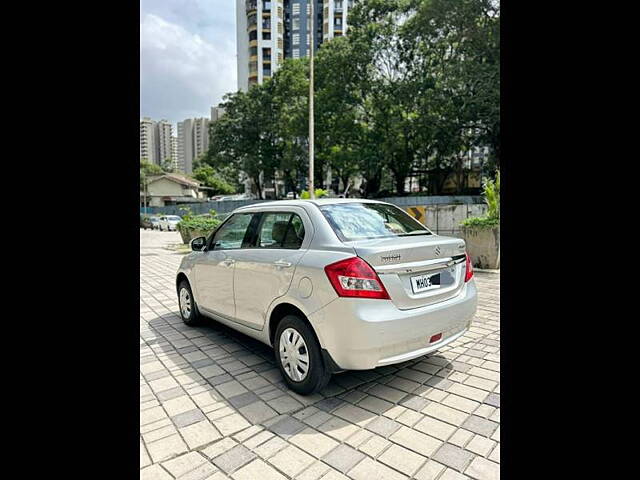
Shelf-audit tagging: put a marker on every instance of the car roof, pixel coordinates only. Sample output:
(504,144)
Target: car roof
(317,201)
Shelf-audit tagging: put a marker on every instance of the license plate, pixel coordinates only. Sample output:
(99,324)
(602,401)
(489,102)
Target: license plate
(422,283)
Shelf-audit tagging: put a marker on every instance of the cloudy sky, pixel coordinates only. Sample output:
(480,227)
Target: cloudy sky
(187,57)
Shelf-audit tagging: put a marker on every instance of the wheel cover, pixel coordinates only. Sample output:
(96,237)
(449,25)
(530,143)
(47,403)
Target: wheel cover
(294,355)
(185,303)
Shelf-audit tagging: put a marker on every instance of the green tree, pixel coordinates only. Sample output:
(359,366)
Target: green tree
(148,170)
(290,89)
(454,46)
(208,176)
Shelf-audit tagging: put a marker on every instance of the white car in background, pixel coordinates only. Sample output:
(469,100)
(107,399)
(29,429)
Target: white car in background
(169,222)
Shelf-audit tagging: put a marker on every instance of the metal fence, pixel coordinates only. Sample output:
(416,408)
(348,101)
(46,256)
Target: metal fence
(442,214)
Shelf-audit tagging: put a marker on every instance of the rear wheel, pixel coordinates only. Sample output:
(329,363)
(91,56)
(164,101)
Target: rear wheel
(188,308)
(299,357)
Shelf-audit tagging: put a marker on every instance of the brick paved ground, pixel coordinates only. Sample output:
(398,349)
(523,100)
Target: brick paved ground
(213,404)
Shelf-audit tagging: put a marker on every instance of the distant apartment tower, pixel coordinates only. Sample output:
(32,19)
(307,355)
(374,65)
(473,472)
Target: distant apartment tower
(148,149)
(193,141)
(164,131)
(216,113)
(174,153)
(200,136)
(270,31)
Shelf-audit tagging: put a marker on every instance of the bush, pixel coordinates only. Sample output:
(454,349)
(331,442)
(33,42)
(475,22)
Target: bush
(191,227)
(481,222)
(492,197)
(319,194)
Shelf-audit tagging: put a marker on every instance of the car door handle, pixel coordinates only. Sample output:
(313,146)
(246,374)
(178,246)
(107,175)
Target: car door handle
(228,262)
(282,264)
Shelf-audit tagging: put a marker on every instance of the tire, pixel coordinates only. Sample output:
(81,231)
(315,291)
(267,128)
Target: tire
(191,317)
(317,375)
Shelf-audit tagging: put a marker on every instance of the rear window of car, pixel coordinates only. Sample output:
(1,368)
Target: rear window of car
(360,221)
(173,217)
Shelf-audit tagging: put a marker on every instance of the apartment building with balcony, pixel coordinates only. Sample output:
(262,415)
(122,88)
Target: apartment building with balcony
(334,18)
(148,149)
(260,39)
(270,31)
(164,133)
(155,141)
(193,142)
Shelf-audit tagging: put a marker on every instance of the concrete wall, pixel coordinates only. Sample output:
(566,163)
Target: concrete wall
(483,246)
(443,214)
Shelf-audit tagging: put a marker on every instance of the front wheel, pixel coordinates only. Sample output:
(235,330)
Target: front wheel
(188,308)
(299,357)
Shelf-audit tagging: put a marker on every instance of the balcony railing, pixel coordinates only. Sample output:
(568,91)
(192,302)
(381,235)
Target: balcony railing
(251,5)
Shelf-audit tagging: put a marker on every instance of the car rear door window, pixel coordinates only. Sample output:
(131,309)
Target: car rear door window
(281,230)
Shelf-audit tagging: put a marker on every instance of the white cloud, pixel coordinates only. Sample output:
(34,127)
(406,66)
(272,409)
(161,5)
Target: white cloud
(182,72)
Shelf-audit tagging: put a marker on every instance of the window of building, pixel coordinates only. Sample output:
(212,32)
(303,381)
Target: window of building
(266,35)
(253,35)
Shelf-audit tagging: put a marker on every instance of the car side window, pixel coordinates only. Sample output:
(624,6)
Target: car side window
(281,230)
(232,234)
(295,233)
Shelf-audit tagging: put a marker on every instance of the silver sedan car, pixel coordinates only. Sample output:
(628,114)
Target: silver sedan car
(331,284)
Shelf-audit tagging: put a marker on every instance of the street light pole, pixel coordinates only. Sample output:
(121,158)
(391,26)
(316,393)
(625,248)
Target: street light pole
(311,152)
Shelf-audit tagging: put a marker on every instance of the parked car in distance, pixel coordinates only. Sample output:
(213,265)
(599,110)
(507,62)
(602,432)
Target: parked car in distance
(149,222)
(330,284)
(145,222)
(155,222)
(291,195)
(168,222)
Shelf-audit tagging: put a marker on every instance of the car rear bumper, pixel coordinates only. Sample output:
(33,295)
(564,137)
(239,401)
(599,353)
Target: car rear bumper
(360,333)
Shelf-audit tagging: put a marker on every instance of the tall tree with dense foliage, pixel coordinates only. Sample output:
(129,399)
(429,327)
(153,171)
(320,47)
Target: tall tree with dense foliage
(411,89)
(210,178)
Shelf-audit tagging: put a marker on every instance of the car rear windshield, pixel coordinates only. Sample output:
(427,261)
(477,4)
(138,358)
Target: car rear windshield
(358,221)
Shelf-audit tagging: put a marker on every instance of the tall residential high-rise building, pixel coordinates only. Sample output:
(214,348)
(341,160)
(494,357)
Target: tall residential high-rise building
(155,140)
(185,146)
(164,132)
(148,150)
(200,136)
(216,113)
(270,31)
(193,141)
(334,18)
(174,153)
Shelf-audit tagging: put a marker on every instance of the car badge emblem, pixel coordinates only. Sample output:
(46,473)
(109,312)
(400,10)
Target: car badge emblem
(391,258)
(437,251)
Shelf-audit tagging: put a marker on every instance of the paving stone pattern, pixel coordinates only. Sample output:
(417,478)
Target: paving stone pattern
(213,404)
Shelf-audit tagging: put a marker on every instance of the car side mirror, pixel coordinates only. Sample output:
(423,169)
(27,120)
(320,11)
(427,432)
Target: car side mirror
(198,244)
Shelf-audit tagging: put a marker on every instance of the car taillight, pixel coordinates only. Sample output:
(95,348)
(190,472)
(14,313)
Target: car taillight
(354,277)
(469,268)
